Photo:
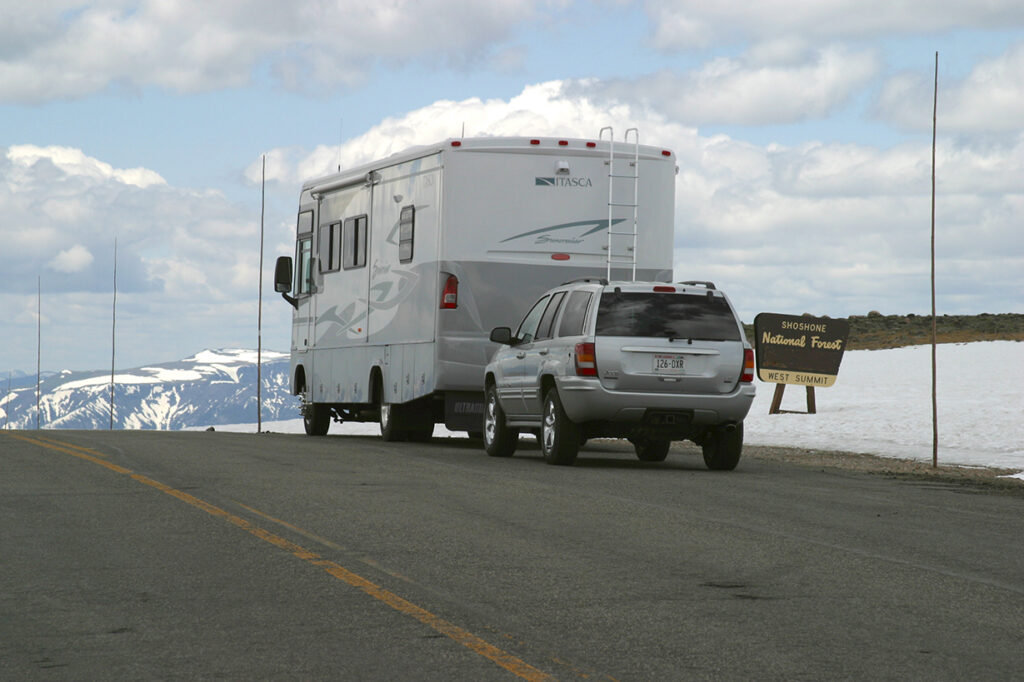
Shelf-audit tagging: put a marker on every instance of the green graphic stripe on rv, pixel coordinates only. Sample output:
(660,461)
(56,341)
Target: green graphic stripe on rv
(598,225)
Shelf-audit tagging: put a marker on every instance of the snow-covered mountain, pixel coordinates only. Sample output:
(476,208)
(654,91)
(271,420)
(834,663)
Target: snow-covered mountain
(210,388)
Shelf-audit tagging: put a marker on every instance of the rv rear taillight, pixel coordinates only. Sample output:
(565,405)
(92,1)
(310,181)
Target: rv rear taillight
(748,366)
(665,290)
(450,295)
(586,360)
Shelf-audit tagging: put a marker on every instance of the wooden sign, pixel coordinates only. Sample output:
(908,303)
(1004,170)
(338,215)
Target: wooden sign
(794,349)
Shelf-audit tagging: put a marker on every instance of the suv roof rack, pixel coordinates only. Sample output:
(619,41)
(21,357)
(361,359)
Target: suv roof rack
(692,282)
(596,280)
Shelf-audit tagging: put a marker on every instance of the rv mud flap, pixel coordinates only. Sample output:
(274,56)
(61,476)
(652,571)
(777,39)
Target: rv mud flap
(464,410)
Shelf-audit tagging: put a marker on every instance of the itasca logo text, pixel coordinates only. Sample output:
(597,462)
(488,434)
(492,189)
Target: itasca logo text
(563,182)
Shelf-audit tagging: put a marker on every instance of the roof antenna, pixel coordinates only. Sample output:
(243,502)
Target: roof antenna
(463,129)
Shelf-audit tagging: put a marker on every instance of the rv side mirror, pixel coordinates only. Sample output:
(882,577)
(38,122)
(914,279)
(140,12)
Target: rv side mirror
(283,275)
(502,335)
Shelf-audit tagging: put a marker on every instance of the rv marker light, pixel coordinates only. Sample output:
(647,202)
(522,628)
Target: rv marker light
(456,143)
(559,256)
(591,144)
(665,152)
(534,141)
(563,143)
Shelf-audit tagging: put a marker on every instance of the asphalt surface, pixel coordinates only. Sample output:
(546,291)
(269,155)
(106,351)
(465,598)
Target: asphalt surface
(155,555)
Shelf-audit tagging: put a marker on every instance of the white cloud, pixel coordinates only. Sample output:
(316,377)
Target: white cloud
(75,259)
(990,99)
(74,162)
(58,50)
(689,24)
(780,83)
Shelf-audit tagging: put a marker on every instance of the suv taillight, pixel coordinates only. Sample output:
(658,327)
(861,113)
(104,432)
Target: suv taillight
(586,360)
(450,295)
(748,366)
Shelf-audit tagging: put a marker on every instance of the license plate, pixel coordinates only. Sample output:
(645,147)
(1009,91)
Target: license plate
(668,364)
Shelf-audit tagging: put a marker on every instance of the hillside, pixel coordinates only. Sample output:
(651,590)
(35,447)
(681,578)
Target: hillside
(875,331)
(211,387)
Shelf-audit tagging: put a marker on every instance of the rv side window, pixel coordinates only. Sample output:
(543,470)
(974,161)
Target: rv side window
(305,223)
(329,247)
(575,314)
(406,225)
(528,329)
(544,330)
(354,247)
(304,269)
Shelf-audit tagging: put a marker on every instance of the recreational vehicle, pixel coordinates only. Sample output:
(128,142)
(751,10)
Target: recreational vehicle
(402,266)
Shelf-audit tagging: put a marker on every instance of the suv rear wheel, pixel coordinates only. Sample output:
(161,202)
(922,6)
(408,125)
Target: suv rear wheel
(560,437)
(723,447)
(500,440)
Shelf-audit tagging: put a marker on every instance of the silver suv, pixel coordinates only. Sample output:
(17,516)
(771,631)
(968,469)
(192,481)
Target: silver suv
(648,361)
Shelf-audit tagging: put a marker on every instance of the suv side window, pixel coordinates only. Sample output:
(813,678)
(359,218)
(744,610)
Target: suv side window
(575,314)
(546,322)
(528,329)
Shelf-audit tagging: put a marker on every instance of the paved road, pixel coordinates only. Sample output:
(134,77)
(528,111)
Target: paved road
(142,555)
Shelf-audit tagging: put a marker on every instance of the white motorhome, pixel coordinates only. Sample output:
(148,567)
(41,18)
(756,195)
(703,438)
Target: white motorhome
(404,265)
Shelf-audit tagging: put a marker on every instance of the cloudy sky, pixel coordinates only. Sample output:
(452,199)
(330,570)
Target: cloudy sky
(802,128)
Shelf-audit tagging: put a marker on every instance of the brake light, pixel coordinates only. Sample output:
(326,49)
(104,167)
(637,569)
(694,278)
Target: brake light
(450,295)
(748,366)
(665,290)
(586,360)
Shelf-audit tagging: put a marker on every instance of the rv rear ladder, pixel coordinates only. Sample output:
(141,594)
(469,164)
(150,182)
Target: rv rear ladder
(628,258)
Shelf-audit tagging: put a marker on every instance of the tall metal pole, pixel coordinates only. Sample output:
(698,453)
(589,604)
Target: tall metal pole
(39,341)
(259,321)
(113,338)
(935,402)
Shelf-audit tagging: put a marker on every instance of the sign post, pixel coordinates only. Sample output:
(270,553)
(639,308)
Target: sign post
(802,350)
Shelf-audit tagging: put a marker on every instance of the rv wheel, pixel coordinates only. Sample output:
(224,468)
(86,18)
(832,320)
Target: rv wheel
(316,418)
(389,430)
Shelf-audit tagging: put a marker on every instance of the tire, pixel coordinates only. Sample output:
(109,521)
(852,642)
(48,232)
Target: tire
(316,418)
(652,449)
(560,437)
(722,448)
(500,440)
(389,419)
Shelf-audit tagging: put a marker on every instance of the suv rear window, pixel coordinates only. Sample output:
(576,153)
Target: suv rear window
(678,316)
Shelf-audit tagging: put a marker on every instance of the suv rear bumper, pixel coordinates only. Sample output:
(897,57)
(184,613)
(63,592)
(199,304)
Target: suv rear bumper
(585,399)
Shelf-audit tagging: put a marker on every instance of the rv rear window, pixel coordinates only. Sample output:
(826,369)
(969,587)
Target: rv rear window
(329,247)
(354,247)
(406,226)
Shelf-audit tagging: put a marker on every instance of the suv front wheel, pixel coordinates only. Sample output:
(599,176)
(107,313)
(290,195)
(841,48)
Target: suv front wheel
(500,440)
(560,437)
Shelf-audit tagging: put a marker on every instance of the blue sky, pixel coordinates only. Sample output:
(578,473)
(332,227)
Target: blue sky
(803,133)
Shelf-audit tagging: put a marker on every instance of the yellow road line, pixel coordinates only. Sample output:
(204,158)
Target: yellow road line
(479,646)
